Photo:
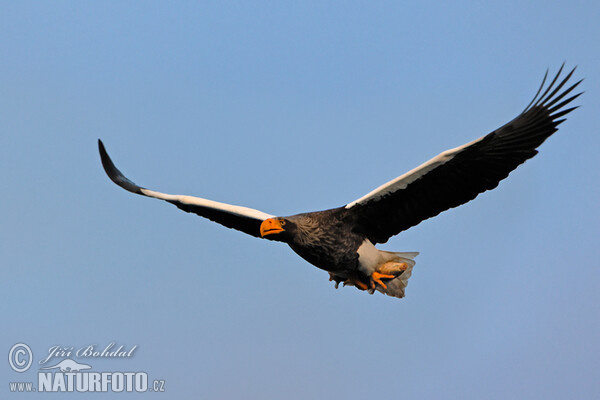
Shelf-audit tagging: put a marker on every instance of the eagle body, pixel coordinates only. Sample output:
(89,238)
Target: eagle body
(342,240)
(323,239)
(326,240)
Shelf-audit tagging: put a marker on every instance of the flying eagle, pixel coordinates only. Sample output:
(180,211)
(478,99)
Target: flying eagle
(342,240)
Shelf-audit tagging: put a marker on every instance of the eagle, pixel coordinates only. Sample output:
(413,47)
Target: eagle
(342,240)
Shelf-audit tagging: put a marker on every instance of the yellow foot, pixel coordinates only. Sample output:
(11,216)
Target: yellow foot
(388,270)
(376,278)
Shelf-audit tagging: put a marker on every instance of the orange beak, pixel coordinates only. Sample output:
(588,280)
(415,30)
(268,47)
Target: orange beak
(270,226)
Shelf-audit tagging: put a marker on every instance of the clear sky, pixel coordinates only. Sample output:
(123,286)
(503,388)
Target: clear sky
(290,107)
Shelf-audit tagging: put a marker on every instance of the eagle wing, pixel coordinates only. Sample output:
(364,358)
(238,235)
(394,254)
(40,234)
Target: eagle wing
(457,176)
(243,219)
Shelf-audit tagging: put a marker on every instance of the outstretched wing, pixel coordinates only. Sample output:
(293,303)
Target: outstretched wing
(243,219)
(458,175)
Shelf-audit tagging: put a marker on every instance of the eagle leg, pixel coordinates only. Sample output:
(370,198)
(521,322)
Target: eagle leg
(355,280)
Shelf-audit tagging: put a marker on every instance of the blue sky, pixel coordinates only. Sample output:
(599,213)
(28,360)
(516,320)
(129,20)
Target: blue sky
(289,107)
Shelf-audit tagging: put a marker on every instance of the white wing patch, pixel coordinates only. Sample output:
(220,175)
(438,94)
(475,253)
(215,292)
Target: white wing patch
(403,181)
(197,201)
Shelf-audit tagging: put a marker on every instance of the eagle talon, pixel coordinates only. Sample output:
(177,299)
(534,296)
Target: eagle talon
(336,279)
(376,278)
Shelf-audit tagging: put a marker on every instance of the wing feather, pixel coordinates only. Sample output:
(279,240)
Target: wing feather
(457,176)
(244,219)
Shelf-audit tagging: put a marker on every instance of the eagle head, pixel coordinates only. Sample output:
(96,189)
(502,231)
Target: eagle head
(276,229)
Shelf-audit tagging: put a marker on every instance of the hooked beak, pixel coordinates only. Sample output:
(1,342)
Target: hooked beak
(270,226)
